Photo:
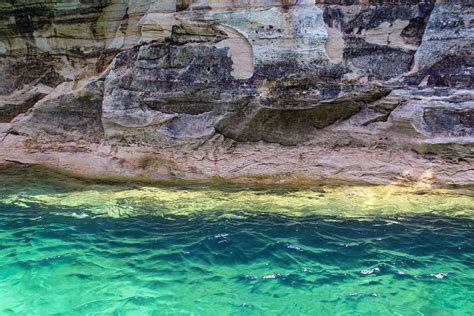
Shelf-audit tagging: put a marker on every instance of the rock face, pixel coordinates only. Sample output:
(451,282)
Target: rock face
(372,91)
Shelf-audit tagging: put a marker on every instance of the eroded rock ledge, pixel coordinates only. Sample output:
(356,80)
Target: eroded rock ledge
(371,91)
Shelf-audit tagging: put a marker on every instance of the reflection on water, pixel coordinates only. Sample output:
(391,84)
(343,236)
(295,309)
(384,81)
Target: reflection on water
(76,247)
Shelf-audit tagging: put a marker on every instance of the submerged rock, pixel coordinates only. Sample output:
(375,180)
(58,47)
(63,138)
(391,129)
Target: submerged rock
(241,89)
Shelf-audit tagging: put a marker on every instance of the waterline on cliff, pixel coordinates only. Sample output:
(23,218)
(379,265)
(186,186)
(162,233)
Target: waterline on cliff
(41,189)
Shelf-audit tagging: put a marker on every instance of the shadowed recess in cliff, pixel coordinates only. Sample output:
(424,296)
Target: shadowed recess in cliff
(278,123)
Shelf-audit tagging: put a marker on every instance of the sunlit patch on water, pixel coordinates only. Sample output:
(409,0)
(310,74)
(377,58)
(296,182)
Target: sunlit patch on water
(76,247)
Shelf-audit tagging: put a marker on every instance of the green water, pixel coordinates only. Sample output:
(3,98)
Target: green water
(76,247)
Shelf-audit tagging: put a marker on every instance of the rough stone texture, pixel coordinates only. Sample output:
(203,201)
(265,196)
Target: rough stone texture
(445,57)
(64,115)
(372,91)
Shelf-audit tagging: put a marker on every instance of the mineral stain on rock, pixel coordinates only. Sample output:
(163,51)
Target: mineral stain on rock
(373,91)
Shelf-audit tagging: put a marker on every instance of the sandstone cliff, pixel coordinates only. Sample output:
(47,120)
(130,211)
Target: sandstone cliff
(373,91)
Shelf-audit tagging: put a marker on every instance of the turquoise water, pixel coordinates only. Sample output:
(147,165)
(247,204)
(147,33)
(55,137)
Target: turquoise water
(73,247)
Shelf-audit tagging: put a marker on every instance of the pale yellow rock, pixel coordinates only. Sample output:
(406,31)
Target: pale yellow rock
(240,50)
(334,45)
(389,34)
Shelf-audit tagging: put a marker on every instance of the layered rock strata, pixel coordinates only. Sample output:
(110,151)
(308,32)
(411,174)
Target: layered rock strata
(371,91)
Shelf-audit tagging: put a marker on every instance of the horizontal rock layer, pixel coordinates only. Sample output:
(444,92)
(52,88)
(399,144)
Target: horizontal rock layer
(241,90)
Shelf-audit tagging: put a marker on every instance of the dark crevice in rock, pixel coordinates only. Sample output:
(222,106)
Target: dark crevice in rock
(413,32)
(9,111)
(382,117)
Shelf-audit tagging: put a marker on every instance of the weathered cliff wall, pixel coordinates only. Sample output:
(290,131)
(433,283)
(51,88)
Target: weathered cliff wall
(375,91)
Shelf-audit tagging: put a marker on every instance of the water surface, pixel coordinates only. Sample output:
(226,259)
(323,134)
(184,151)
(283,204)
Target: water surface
(77,247)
